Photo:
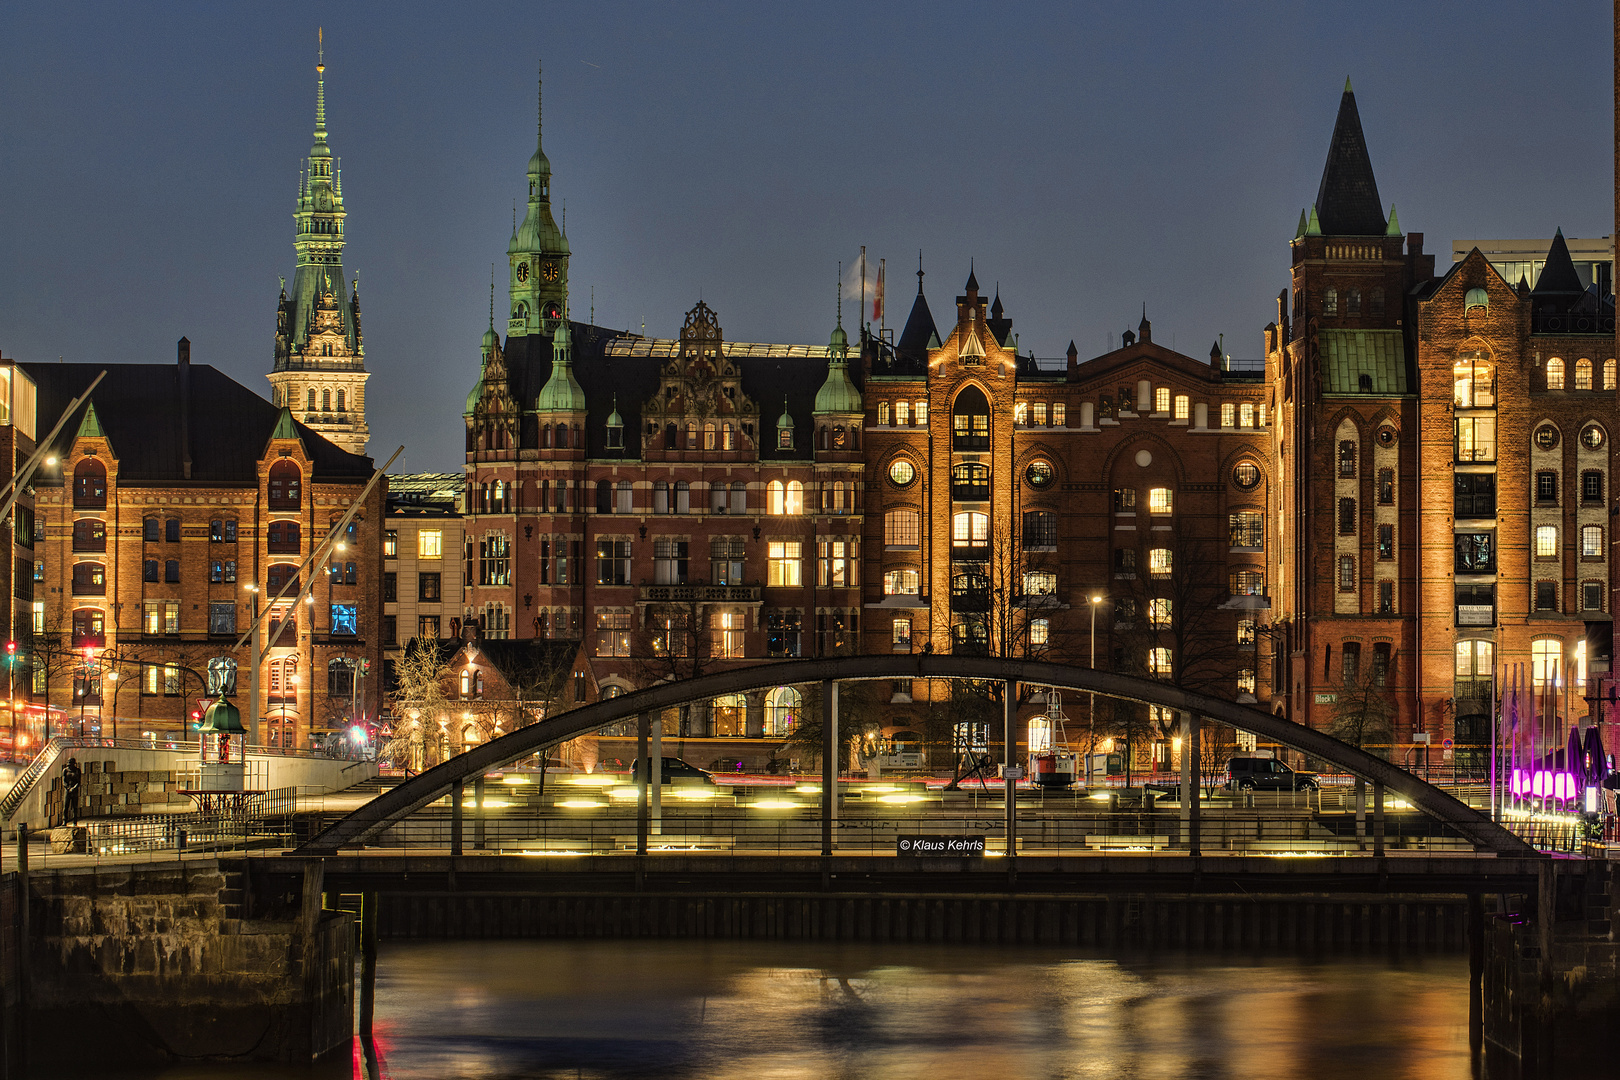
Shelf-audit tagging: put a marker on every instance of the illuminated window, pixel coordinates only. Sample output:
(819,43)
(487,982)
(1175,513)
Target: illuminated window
(902,414)
(430,544)
(613,633)
(1040,583)
(1546,655)
(920,410)
(835,563)
(1161,500)
(785,564)
(1228,415)
(794,499)
(901,583)
(1021,414)
(1159,562)
(1591,541)
(900,636)
(1040,414)
(1608,375)
(1246,415)
(1158,613)
(1473,382)
(883,413)
(1555,373)
(1183,406)
(1583,374)
(726,635)
(1060,412)
(902,528)
(775,497)
(1158,663)
(1546,541)
(1161,399)
(970,529)
(1040,631)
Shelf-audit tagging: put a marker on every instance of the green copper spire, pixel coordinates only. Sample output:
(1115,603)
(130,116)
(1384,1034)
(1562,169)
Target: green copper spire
(1299,230)
(285,428)
(90,426)
(538,252)
(320,149)
(837,393)
(562,392)
(1313,227)
(1394,225)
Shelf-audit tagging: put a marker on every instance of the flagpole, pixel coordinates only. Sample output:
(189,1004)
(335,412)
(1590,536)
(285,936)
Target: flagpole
(863,286)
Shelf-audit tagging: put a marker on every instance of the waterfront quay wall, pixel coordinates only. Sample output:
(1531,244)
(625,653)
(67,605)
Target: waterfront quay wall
(144,963)
(1551,976)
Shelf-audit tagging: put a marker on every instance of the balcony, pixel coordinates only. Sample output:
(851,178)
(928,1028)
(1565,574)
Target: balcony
(701,594)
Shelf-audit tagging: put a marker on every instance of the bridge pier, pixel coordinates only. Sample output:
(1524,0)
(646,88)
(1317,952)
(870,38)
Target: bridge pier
(1378,818)
(829,764)
(1009,752)
(478,812)
(1192,782)
(643,771)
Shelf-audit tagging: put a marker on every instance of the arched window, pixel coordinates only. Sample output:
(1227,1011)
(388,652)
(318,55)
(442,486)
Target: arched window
(1583,374)
(284,680)
(970,530)
(89,628)
(326,401)
(782,707)
(739,497)
(970,420)
(775,497)
(89,579)
(281,576)
(562,436)
(671,436)
(709,435)
(660,496)
(312,399)
(1546,661)
(1352,303)
(883,414)
(624,501)
(604,496)
(340,407)
(1330,301)
(286,484)
(795,498)
(283,537)
(90,485)
(729,716)
(683,497)
(728,436)
(89,534)
(970,482)
(1555,373)
(1608,374)
(691,435)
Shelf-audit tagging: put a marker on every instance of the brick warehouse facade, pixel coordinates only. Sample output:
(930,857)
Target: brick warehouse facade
(1335,517)
(175,489)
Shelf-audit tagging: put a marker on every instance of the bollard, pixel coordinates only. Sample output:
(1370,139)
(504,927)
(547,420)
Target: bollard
(179,842)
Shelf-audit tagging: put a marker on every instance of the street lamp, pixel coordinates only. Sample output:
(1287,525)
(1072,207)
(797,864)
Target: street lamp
(1094,600)
(112,676)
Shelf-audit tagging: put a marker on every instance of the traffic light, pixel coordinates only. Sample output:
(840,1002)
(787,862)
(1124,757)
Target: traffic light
(11,653)
(365,667)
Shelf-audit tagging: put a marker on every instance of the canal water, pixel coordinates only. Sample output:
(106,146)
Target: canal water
(606,1010)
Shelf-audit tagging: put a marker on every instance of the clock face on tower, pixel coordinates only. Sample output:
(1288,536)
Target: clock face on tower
(523,272)
(548,270)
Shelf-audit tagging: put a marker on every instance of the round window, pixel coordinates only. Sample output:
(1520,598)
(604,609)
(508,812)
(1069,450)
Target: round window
(901,472)
(1592,437)
(1546,437)
(1386,436)
(1039,474)
(1246,475)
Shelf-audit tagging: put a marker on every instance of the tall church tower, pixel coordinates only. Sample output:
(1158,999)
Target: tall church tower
(320,371)
(537,254)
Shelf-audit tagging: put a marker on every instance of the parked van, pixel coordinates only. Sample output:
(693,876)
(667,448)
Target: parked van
(1263,772)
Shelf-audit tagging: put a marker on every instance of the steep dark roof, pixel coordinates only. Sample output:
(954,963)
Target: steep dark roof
(1558,276)
(632,380)
(1347,202)
(919,331)
(138,406)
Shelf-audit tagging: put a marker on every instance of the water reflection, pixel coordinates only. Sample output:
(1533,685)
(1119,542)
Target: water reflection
(603,1010)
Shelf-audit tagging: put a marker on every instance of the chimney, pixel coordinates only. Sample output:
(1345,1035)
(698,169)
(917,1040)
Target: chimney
(185,407)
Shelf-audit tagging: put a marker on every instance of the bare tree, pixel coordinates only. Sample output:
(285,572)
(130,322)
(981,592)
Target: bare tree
(1363,712)
(861,707)
(1172,623)
(421,702)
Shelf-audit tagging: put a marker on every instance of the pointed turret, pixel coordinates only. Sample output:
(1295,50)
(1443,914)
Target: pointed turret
(919,334)
(1558,278)
(1300,230)
(1144,329)
(999,324)
(90,426)
(1347,200)
(784,427)
(285,428)
(562,392)
(1215,354)
(1394,223)
(1313,225)
(838,393)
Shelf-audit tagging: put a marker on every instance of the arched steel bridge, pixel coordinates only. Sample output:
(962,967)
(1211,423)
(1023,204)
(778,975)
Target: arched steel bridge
(400,802)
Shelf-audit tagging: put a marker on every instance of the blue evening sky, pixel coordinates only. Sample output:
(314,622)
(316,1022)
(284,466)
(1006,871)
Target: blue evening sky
(1089,157)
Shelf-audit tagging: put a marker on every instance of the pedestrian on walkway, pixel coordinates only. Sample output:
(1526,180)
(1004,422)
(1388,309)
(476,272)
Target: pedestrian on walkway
(70,792)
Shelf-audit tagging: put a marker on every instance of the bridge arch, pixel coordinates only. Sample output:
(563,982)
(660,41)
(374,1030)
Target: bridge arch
(400,802)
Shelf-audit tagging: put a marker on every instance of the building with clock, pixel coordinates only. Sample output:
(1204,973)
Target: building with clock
(320,356)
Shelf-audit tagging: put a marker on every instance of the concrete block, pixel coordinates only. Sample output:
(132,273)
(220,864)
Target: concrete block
(70,840)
